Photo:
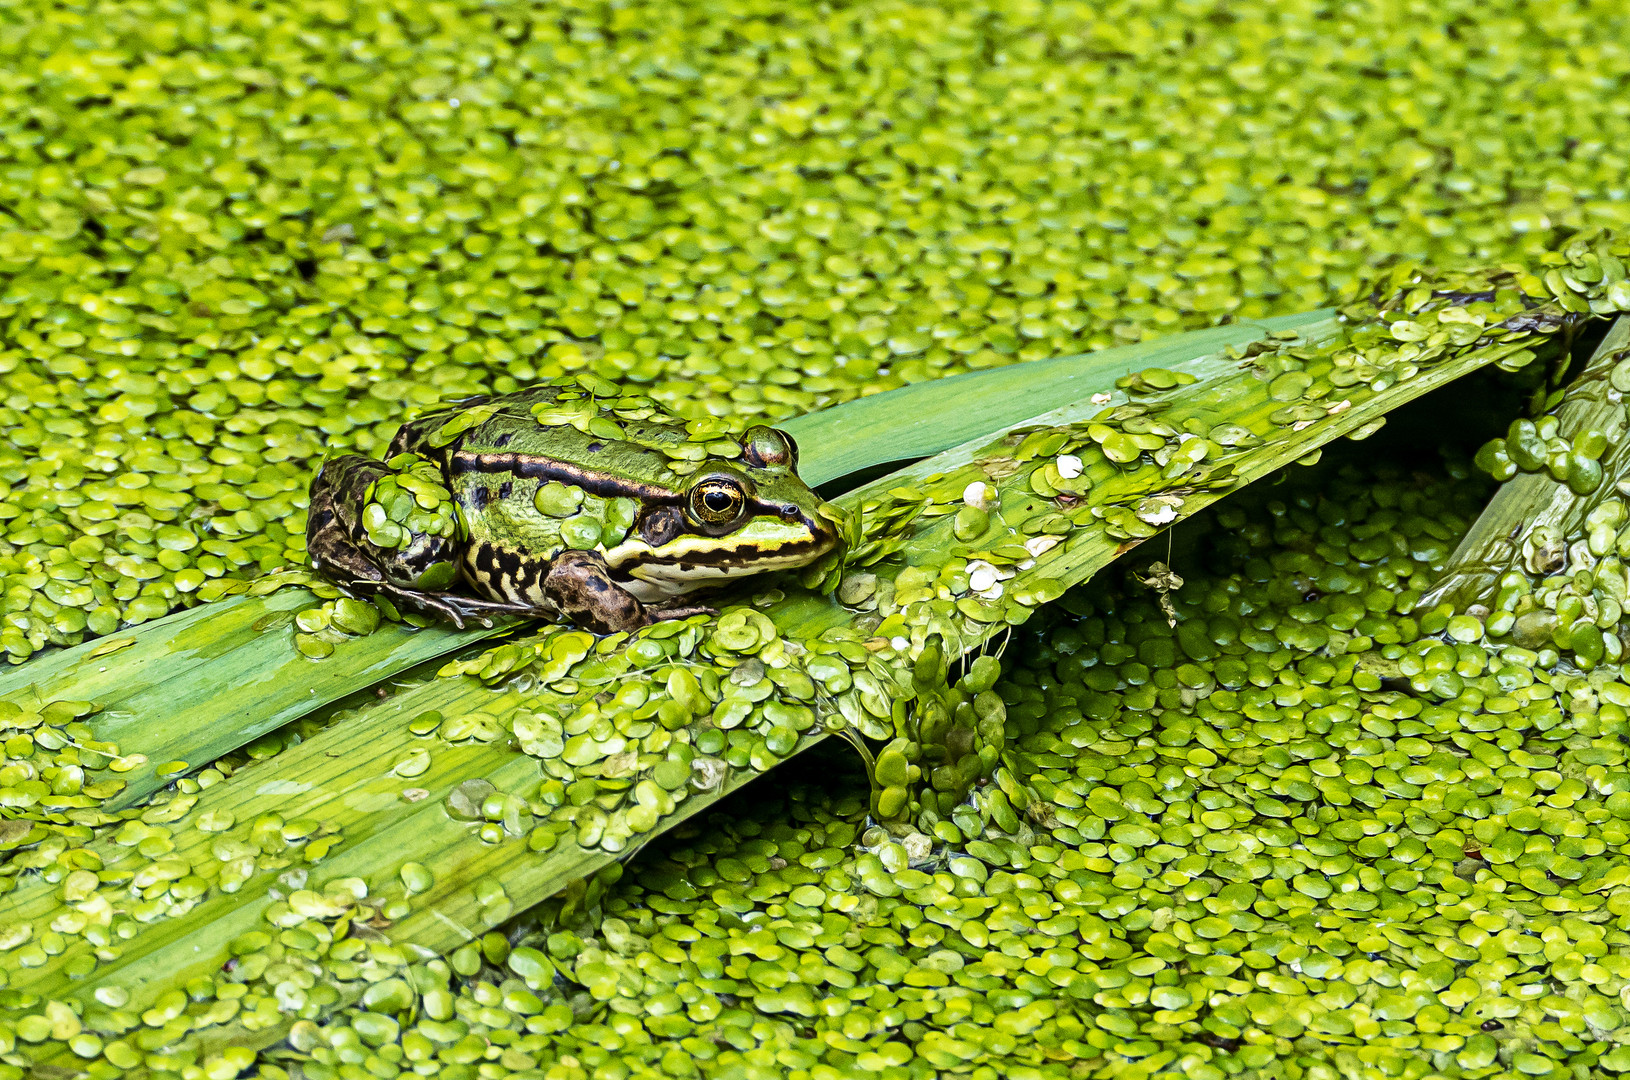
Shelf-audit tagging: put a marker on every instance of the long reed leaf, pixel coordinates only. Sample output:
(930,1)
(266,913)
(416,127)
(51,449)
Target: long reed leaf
(1534,502)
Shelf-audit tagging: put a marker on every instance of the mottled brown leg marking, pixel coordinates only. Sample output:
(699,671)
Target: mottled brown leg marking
(580,585)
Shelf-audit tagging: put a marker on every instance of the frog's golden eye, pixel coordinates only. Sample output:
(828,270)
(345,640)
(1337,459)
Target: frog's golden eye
(717,500)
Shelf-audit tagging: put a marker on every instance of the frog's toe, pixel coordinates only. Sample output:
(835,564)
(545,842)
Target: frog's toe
(459,609)
(444,608)
(680,611)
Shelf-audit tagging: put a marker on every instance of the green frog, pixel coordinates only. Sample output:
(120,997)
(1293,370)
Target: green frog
(570,501)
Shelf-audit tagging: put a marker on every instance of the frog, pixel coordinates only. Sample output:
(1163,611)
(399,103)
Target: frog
(570,501)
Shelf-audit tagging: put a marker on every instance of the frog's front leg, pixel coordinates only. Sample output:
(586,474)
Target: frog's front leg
(388,531)
(580,585)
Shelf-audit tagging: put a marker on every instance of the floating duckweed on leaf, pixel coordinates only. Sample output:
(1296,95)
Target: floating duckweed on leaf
(412,763)
(312,646)
(1153,380)
(1177,806)
(416,878)
(464,802)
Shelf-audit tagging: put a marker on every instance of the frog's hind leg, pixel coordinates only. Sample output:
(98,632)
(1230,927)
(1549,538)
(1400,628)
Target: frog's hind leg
(340,550)
(581,586)
(334,542)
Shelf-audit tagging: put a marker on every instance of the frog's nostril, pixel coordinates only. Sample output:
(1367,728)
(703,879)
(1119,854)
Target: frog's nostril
(790,513)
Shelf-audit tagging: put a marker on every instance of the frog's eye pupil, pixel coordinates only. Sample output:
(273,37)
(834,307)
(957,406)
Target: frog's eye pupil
(717,501)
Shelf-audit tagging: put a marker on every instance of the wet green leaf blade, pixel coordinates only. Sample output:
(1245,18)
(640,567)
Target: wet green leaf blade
(1532,500)
(929,417)
(205,681)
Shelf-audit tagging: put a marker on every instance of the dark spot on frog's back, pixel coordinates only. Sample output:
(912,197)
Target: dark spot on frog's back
(508,562)
(504,439)
(596,447)
(505,488)
(477,498)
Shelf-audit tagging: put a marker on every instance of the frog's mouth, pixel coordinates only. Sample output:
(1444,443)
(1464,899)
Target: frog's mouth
(653,582)
(692,562)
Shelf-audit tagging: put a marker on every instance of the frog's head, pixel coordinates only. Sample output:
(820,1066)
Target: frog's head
(729,518)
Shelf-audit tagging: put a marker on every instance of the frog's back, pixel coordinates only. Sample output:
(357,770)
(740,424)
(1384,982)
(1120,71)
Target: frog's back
(536,475)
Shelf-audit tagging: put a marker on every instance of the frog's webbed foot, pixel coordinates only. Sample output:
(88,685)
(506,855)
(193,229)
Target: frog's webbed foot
(348,568)
(445,606)
(456,609)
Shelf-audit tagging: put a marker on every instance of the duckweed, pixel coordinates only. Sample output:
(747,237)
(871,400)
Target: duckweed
(1206,852)
(598,715)
(1203,845)
(1256,816)
(55,776)
(235,241)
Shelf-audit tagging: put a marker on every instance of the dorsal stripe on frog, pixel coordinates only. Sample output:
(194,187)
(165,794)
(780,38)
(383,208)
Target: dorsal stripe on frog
(542,467)
(605,485)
